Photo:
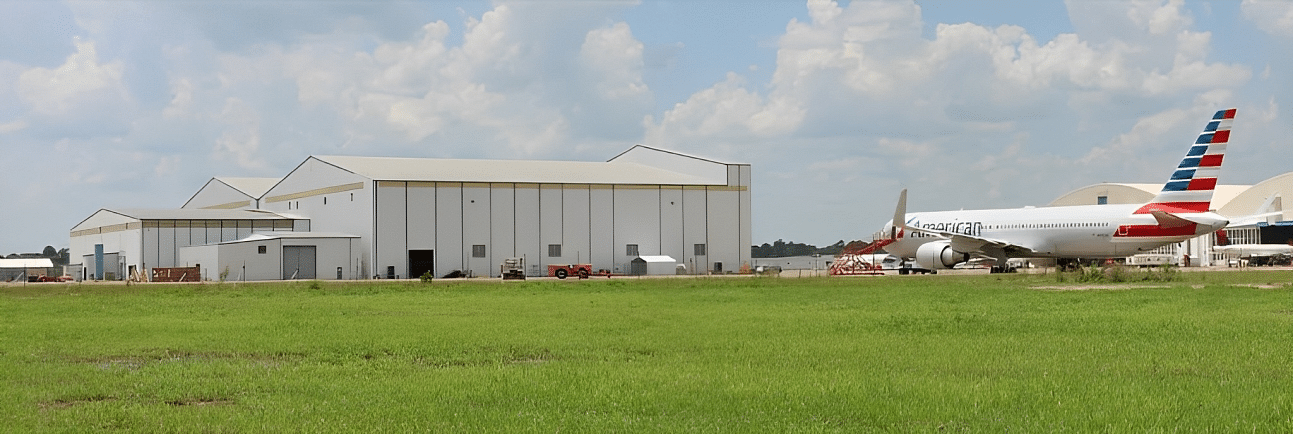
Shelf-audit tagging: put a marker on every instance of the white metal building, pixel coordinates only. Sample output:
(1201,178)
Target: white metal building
(113,244)
(418,215)
(402,217)
(278,255)
(230,193)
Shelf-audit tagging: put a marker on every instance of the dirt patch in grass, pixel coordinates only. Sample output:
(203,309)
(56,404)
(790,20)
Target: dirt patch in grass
(1265,285)
(1097,287)
(62,403)
(199,402)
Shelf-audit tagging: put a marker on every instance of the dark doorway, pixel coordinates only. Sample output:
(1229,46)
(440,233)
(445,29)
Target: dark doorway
(421,261)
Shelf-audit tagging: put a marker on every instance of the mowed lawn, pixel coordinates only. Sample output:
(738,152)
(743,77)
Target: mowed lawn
(984,353)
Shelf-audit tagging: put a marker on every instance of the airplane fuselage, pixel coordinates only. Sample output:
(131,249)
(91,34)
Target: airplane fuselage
(1085,231)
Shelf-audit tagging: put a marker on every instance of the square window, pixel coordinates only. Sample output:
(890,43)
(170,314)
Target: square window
(631,250)
(554,250)
(698,250)
(1102,200)
(261,250)
(478,251)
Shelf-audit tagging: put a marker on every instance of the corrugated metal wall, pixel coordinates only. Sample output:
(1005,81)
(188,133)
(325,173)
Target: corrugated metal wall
(591,224)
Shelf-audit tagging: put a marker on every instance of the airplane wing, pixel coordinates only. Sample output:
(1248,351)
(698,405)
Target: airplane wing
(973,244)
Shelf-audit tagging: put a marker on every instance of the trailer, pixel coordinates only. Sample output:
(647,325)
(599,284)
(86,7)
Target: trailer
(560,271)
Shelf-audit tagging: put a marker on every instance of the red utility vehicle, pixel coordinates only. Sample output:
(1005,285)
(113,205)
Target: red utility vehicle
(561,271)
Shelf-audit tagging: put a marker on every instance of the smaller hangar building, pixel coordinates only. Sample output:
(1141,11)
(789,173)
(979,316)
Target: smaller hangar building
(114,244)
(279,255)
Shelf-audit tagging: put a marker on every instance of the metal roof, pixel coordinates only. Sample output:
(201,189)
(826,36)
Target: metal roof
(526,171)
(656,258)
(253,187)
(199,214)
(27,263)
(265,236)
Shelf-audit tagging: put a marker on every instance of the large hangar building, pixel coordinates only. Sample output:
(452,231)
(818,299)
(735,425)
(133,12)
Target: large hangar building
(411,216)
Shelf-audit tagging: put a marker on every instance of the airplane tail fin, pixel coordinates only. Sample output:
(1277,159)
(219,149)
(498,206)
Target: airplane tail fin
(1191,185)
(899,216)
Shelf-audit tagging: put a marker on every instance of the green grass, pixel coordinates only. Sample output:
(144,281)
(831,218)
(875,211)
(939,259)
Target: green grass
(985,353)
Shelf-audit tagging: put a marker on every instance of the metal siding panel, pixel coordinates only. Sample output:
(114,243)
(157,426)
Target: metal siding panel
(550,224)
(228,230)
(671,239)
(476,227)
(601,216)
(391,248)
(421,223)
(745,220)
(502,220)
(723,229)
(213,231)
(166,250)
(449,220)
(527,229)
(637,221)
(244,229)
(149,249)
(575,225)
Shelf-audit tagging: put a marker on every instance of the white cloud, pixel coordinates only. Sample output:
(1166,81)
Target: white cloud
(614,58)
(80,81)
(240,140)
(1272,16)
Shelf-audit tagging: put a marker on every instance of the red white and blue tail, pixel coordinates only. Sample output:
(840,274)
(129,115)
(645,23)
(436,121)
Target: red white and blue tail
(1191,186)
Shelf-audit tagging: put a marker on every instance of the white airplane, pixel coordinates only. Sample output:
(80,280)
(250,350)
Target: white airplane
(940,240)
(1253,252)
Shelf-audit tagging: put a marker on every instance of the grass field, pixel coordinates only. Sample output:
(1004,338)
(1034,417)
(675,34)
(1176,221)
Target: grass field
(985,353)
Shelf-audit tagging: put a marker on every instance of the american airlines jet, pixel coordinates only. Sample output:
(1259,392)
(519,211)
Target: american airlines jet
(940,240)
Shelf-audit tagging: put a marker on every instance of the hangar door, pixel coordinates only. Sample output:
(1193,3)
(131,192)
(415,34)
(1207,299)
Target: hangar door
(421,261)
(298,262)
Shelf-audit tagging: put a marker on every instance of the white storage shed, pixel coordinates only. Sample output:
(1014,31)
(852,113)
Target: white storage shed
(653,266)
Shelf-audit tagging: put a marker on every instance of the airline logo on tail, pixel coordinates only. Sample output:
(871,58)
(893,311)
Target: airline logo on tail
(1190,188)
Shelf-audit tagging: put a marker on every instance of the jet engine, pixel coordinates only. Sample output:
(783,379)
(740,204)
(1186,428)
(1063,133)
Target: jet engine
(939,255)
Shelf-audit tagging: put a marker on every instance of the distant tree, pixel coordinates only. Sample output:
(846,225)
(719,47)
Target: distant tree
(49,252)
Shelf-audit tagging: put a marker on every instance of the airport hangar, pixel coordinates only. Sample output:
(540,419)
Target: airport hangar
(409,216)
(1232,201)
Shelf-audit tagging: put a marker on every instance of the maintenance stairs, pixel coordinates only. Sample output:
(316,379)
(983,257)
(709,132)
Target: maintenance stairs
(851,261)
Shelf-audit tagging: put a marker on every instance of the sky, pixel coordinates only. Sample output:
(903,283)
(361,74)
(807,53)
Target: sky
(836,105)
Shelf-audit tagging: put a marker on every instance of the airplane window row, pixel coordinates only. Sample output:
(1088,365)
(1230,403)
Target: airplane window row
(1048,225)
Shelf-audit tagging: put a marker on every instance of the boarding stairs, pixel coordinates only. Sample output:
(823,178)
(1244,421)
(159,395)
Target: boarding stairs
(851,261)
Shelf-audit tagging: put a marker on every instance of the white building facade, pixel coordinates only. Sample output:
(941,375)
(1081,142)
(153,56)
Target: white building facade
(405,217)
(117,244)
(417,216)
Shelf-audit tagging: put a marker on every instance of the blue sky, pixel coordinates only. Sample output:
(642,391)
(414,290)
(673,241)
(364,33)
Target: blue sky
(969,104)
